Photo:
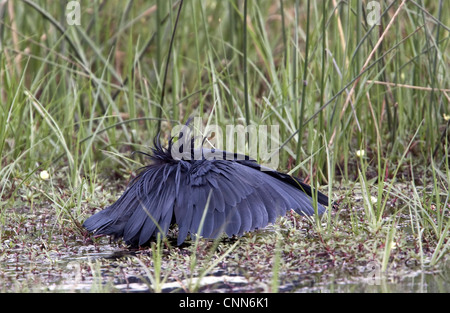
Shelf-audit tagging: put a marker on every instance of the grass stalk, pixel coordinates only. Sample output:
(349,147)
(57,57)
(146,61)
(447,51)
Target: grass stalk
(304,83)
(245,60)
(166,69)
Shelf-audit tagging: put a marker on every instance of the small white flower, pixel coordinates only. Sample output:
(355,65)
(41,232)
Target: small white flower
(44,175)
(373,199)
(446,117)
(360,153)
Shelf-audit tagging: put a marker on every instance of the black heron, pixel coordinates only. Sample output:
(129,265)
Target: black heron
(229,194)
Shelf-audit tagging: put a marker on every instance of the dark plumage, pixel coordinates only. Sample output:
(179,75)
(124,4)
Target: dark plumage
(242,195)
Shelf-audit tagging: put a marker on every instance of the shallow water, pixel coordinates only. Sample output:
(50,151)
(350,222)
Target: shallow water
(38,254)
(73,278)
(105,268)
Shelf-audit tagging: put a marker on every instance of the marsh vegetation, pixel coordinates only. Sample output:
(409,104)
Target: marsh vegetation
(363,111)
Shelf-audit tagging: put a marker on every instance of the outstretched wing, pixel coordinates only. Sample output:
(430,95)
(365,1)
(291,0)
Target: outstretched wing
(143,210)
(242,199)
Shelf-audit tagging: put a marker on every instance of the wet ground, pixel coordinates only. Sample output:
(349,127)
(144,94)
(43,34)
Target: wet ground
(110,268)
(42,249)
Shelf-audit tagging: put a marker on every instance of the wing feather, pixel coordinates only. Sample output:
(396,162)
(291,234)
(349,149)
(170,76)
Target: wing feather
(250,199)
